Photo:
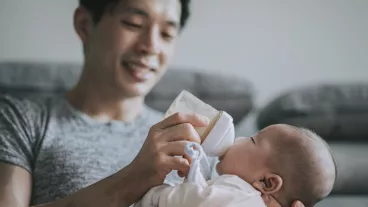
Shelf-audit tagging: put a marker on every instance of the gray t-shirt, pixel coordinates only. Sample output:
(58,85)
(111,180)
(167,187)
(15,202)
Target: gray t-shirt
(64,149)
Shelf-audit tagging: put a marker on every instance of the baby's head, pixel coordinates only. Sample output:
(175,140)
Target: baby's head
(284,163)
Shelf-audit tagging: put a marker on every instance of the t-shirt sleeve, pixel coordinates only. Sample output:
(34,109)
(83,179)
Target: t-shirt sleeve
(16,135)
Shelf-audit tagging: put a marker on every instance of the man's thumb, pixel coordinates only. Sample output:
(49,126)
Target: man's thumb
(298,204)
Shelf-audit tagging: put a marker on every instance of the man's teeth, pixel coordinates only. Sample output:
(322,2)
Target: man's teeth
(136,66)
(133,66)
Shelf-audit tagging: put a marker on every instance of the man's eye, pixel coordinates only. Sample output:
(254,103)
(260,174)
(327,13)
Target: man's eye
(167,36)
(130,24)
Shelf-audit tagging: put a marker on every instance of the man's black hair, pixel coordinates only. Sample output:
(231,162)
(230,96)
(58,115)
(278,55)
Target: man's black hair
(98,7)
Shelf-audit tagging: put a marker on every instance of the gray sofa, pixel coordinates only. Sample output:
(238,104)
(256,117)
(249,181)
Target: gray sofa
(313,107)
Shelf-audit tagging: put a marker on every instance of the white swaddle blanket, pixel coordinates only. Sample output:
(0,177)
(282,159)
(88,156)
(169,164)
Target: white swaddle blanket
(195,191)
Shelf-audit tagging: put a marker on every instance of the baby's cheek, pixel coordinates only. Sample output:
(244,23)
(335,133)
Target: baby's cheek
(221,168)
(218,169)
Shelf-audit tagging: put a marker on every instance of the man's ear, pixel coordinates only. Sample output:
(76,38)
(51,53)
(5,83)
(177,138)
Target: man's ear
(83,23)
(268,185)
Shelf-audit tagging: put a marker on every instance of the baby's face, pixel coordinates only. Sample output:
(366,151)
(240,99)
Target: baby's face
(246,158)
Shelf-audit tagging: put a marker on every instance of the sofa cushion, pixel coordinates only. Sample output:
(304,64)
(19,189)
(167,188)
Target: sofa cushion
(352,168)
(335,111)
(225,92)
(37,79)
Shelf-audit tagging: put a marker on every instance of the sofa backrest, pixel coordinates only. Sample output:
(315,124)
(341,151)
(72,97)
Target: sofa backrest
(337,112)
(224,92)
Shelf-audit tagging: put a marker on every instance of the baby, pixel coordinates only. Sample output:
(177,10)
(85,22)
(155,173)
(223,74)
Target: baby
(279,165)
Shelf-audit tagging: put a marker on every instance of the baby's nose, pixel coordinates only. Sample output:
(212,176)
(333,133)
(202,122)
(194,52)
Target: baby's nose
(240,139)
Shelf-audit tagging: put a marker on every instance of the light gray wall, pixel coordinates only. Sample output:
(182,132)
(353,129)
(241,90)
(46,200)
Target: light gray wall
(38,30)
(276,45)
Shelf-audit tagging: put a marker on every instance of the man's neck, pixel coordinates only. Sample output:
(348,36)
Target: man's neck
(104,105)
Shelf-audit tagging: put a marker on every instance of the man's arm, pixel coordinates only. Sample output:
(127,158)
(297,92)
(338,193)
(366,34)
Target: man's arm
(15,186)
(119,190)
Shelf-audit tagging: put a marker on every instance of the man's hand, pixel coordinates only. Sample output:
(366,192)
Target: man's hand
(164,147)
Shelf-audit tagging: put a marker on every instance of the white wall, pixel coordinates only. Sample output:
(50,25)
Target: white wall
(275,45)
(38,30)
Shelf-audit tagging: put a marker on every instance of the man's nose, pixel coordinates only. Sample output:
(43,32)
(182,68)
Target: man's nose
(150,41)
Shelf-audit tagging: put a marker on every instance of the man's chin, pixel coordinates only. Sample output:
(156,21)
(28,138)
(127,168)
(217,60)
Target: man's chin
(134,93)
(134,90)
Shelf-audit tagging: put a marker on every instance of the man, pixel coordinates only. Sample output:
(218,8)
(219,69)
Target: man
(93,147)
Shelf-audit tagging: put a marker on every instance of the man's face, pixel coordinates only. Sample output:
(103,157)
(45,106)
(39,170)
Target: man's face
(128,50)
(246,158)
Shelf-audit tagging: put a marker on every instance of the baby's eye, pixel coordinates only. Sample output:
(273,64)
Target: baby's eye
(240,139)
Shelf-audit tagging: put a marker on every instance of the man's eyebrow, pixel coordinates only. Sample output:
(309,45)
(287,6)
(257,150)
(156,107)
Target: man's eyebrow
(141,12)
(173,24)
(134,10)
(253,140)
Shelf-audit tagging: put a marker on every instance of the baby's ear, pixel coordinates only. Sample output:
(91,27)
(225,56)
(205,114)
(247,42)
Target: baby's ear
(268,185)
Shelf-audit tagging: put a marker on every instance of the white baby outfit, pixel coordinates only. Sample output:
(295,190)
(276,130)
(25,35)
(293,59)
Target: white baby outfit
(195,191)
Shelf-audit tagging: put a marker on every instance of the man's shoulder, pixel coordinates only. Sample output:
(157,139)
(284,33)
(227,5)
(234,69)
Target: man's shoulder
(22,121)
(28,112)
(21,105)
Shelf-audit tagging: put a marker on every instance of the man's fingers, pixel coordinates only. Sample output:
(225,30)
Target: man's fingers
(181,174)
(182,132)
(175,148)
(178,149)
(297,204)
(188,158)
(181,165)
(180,118)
